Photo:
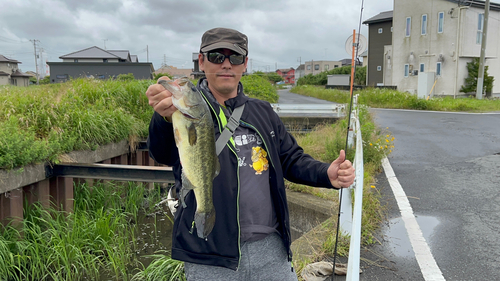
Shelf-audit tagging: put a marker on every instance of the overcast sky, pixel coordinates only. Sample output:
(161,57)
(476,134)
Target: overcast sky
(280,33)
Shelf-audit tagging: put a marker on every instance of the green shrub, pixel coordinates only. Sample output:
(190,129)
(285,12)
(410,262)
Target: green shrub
(125,77)
(256,86)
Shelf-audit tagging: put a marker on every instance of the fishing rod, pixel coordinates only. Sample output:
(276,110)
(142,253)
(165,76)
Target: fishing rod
(355,49)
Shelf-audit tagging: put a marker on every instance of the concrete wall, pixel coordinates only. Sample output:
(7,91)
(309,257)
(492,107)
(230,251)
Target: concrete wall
(98,70)
(4,80)
(339,79)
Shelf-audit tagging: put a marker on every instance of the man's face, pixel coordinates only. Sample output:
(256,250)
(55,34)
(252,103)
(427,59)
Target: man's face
(222,78)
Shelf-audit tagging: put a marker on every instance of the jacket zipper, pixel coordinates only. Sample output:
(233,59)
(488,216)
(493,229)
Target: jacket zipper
(222,124)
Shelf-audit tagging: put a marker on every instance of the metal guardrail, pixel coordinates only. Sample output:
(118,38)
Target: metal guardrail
(350,218)
(111,172)
(309,110)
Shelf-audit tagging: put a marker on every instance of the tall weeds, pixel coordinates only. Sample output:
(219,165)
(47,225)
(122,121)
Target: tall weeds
(97,238)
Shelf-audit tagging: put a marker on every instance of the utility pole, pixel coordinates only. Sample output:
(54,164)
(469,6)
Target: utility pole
(36,62)
(480,78)
(147,52)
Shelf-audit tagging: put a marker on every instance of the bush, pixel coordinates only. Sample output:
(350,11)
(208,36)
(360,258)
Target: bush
(256,86)
(470,85)
(125,77)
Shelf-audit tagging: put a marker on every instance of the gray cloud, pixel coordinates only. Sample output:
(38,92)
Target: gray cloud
(280,32)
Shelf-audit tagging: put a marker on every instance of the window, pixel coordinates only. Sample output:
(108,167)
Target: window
(408,27)
(391,28)
(316,67)
(100,76)
(422,67)
(407,70)
(440,22)
(438,69)
(327,66)
(379,68)
(424,24)
(76,60)
(380,30)
(480,22)
(104,60)
(336,66)
(63,76)
(308,67)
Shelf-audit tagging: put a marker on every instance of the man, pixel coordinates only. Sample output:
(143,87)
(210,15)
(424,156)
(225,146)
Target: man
(251,238)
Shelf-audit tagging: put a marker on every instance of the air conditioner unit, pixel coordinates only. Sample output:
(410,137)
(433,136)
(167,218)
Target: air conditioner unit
(415,72)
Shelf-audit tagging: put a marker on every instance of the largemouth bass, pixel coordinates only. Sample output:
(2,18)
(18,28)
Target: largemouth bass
(195,140)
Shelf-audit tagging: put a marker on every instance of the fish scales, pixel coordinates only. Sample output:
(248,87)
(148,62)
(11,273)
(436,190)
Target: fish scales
(195,140)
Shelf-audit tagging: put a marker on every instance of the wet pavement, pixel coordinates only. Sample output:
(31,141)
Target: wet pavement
(448,166)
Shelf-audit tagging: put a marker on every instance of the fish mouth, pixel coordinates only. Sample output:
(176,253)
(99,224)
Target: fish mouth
(189,116)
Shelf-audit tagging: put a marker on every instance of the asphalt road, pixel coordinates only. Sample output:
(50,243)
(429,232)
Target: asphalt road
(448,164)
(449,168)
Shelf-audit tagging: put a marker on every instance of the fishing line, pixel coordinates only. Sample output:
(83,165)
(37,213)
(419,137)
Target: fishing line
(353,74)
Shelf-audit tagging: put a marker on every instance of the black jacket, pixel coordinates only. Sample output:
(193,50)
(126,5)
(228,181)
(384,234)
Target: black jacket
(286,159)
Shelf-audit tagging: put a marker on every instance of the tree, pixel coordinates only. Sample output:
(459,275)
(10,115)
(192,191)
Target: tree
(274,77)
(158,75)
(470,85)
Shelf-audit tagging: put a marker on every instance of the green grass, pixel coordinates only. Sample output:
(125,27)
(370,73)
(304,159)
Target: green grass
(98,237)
(40,123)
(385,98)
(324,144)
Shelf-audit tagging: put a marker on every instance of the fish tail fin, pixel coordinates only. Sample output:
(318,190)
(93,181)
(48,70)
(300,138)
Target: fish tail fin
(204,223)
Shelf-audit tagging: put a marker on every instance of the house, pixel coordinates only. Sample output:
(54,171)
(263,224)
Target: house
(315,67)
(300,72)
(10,73)
(379,50)
(174,71)
(345,62)
(288,75)
(433,40)
(364,56)
(99,63)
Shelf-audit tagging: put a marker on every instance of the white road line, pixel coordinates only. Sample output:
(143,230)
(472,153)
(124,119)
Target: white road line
(428,265)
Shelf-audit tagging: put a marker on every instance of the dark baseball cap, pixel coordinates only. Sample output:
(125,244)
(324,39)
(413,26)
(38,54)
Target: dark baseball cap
(219,38)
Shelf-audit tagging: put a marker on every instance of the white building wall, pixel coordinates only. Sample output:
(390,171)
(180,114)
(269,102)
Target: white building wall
(4,80)
(437,47)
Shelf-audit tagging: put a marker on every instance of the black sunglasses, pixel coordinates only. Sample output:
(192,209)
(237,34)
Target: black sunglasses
(218,58)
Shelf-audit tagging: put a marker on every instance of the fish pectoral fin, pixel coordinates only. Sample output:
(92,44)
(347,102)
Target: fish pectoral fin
(192,134)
